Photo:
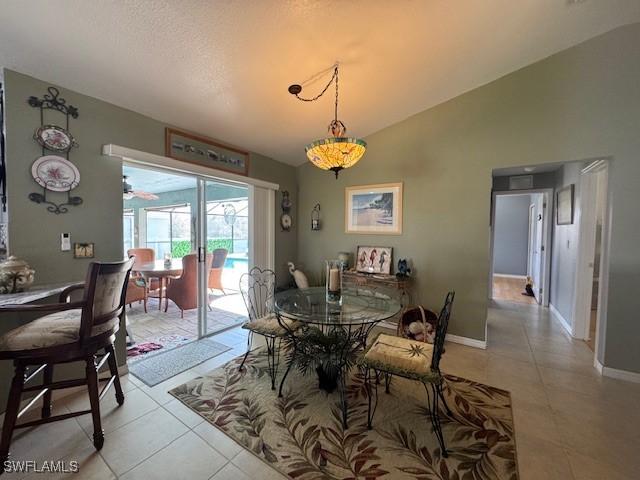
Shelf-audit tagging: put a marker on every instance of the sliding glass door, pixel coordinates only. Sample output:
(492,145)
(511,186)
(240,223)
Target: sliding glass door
(225,239)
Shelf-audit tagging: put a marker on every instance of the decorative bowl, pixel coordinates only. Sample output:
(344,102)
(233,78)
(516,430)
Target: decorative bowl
(15,275)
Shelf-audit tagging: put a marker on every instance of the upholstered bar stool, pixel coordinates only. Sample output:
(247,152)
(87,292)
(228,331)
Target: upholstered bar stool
(70,332)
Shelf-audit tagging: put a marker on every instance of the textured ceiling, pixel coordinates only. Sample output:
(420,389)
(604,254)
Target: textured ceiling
(222,68)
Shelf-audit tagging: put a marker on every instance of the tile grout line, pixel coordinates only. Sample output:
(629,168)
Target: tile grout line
(565,450)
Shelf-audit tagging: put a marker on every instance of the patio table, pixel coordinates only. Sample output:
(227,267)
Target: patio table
(157,269)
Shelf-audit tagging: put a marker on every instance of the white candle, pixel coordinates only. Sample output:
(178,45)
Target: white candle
(334,280)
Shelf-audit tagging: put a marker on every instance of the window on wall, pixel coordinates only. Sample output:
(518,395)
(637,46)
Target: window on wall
(128,229)
(168,230)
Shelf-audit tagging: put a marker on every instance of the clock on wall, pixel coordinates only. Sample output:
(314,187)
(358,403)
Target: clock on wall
(285,219)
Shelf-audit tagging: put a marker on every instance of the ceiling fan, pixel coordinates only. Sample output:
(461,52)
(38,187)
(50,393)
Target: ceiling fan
(128,192)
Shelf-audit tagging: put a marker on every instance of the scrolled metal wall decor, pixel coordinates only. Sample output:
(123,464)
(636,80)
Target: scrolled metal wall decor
(54,173)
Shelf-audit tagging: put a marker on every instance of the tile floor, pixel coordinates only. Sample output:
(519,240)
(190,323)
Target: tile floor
(570,422)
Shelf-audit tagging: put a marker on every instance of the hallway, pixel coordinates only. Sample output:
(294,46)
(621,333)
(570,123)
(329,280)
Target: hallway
(570,422)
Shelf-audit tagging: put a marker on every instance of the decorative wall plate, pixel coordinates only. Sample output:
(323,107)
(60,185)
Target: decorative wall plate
(55,173)
(55,138)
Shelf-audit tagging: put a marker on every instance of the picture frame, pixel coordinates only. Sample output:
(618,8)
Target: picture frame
(375,260)
(83,250)
(565,205)
(199,150)
(374,209)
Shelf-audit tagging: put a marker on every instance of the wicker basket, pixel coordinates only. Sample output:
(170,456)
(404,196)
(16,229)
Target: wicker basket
(418,323)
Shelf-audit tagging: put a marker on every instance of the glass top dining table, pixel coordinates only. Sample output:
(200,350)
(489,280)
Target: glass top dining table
(357,307)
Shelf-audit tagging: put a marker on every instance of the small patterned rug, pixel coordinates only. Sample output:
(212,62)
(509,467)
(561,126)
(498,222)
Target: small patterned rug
(156,367)
(301,434)
(142,348)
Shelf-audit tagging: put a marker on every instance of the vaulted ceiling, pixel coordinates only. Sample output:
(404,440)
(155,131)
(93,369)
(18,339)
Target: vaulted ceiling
(222,68)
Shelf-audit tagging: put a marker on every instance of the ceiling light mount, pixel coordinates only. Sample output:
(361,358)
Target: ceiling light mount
(337,151)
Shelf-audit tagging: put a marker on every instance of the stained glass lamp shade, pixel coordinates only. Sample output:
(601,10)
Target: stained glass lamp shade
(335,153)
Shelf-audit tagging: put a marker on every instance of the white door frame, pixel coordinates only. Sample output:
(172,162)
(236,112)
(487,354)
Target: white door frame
(532,209)
(138,158)
(546,236)
(586,218)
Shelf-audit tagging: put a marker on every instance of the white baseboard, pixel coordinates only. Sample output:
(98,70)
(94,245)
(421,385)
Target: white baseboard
(621,374)
(508,275)
(598,365)
(470,342)
(561,319)
(615,373)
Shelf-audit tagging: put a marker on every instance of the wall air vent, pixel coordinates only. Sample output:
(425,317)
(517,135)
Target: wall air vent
(521,182)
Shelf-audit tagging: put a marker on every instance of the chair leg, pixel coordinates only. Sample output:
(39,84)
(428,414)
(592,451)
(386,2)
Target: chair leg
(273,358)
(387,382)
(249,337)
(92,386)
(144,303)
(441,395)
(371,393)
(435,418)
(113,370)
(11,414)
(46,398)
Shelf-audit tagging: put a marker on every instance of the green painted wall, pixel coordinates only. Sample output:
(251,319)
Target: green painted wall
(581,103)
(34,234)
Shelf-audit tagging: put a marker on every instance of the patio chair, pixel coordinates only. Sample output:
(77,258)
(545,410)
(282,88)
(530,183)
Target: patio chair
(413,360)
(183,291)
(258,289)
(215,275)
(144,255)
(69,332)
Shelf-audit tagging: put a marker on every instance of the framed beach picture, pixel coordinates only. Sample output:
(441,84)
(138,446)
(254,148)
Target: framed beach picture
(564,206)
(374,209)
(374,259)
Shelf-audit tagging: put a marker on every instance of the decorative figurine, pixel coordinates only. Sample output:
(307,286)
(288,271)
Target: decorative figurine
(403,268)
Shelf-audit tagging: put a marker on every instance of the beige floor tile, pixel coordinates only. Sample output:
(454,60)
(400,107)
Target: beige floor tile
(90,464)
(255,468)
(136,404)
(136,441)
(49,441)
(183,413)
(538,460)
(230,472)
(160,392)
(218,440)
(186,458)
(587,468)
(535,420)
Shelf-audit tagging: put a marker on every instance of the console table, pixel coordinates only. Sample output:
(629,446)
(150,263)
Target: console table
(376,280)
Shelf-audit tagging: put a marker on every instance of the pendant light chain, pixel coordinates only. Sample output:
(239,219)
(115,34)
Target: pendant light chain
(335,74)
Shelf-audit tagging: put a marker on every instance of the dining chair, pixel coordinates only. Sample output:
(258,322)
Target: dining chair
(258,290)
(217,266)
(183,290)
(70,331)
(137,292)
(413,360)
(142,256)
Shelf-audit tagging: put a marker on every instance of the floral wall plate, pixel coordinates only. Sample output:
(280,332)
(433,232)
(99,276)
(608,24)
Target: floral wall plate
(55,138)
(55,173)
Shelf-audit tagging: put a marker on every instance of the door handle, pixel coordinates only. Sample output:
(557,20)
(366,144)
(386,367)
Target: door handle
(201,255)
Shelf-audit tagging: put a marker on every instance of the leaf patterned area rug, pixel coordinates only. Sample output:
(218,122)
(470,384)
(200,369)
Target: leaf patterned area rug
(301,434)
